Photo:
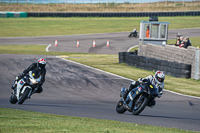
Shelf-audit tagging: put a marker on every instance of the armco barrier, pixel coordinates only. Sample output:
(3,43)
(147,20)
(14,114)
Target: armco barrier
(174,69)
(112,14)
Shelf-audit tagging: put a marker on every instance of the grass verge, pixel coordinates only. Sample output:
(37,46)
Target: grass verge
(111,64)
(18,27)
(13,120)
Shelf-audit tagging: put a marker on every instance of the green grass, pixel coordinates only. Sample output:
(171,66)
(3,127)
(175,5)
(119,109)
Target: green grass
(26,121)
(111,64)
(15,121)
(17,27)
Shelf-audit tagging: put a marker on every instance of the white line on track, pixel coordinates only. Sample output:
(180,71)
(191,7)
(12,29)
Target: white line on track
(131,48)
(47,48)
(121,76)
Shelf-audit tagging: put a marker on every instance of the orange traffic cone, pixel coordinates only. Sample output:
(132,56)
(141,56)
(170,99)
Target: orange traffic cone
(94,44)
(77,44)
(108,44)
(56,43)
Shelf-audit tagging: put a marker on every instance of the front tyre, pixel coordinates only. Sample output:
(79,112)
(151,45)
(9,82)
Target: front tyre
(140,103)
(24,96)
(120,108)
(13,99)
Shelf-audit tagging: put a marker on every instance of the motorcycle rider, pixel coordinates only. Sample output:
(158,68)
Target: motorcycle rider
(157,80)
(38,67)
(134,33)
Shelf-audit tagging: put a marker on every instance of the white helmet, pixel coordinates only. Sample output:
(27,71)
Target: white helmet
(160,76)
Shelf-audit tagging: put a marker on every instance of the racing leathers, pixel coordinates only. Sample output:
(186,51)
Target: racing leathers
(152,79)
(34,67)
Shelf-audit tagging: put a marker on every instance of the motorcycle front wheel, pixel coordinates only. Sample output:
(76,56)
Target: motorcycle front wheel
(140,103)
(24,96)
(13,99)
(120,108)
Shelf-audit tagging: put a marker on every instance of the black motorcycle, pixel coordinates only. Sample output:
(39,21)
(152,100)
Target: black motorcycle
(133,34)
(137,99)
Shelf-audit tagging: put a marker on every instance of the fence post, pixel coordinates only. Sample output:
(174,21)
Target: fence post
(196,71)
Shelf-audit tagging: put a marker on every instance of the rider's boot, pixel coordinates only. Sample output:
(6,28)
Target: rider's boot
(14,85)
(13,91)
(125,95)
(151,103)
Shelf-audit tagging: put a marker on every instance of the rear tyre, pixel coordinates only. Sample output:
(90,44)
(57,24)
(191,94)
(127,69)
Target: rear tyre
(140,105)
(120,108)
(13,99)
(24,96)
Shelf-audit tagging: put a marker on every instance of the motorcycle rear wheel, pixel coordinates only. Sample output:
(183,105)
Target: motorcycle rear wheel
(140,106)
(120,108)
(24,96)
(13,99)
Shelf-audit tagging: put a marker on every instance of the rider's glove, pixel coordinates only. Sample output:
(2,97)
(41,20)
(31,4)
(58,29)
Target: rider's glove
(142,81)
(19,77)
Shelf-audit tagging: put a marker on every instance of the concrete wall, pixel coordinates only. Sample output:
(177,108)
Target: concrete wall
(173,54)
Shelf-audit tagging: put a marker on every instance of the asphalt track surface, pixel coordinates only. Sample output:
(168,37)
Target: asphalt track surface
(75,90)
(119,42)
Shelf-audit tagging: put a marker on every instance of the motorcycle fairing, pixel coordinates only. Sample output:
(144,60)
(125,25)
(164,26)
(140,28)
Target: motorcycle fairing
(21,87)
(133,93)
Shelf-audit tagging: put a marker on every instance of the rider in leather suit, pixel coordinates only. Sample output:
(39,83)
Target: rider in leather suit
(38,67)
(157,80)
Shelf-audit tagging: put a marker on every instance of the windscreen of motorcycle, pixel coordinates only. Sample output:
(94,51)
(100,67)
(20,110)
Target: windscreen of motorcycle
(35,75)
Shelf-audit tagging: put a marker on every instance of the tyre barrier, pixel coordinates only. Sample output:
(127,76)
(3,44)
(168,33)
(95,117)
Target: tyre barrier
(174,69)
(112,14)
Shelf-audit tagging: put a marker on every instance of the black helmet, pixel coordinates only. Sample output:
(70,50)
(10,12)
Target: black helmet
(41,63)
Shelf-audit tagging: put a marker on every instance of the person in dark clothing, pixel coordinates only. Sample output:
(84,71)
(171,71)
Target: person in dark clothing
(38,68)
(187,42)
(178,41)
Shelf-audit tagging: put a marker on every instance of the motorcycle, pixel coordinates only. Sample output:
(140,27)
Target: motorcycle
(133,34)
(137,99)
(25,87)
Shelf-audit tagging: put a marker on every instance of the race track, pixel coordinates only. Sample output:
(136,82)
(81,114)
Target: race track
(119,42)
(75,90)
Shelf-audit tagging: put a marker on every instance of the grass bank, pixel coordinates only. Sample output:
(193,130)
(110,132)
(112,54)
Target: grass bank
(111,64)
(102,6)
(18,27)
(14,121)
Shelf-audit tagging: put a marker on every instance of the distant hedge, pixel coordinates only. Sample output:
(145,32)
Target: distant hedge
(112,14)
